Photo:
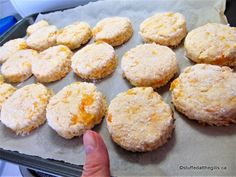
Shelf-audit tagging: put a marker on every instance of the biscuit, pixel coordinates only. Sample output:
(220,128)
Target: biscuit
(36,26)
(25,109)
(139,120)
(74,35)
(52,64)
(113,30)
(6,90)
(11,47)
(149,65)
(164,28)
(206,93)
(18,67)
(94,61)
(43,38)
(212,44)
(75,109)
(1,79)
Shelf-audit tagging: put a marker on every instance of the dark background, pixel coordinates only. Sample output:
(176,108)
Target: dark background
(230,12)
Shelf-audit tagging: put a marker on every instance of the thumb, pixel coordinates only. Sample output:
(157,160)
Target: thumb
(97,160)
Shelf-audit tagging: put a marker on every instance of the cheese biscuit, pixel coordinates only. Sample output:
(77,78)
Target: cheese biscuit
(212,44)
(94,61)
(11,47)
(206,93)
(139,120)
(75,109)
(74,35)
(43,38)
(6,90)
(149,65)
(36,26)
(164,28)
(18,67)
(113,30)
(52,64)
(25,109)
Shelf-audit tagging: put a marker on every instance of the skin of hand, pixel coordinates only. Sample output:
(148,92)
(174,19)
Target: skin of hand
(97,159)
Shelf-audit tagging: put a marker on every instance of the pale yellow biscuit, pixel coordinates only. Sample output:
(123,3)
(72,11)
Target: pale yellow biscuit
(11,47)
(1,79)
(18,67)
(52,64)
(36,26)
(213,44)
(149,65)
(139,120)
(94,61)
(113,30)
(43,38)
(75,109)
(74,35)
(206,93)
(6,90)
(164,28)
(25,109)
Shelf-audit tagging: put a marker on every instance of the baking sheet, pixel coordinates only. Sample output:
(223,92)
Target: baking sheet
(192,150)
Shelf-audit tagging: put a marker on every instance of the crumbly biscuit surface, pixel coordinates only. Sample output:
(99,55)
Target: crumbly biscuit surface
(206,93)
(213,44)
(74,35)
(18,67)
(150,65)
(75,109)
(139,120)
(6,90)
(52,64)
(43,38)
(113,30)
(95,61)
(25,109)
(164,28)
(34,27)
(11,47)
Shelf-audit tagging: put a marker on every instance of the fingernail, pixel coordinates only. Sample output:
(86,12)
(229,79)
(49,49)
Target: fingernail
(90,143)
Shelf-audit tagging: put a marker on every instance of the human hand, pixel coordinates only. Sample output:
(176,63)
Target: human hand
(97,160)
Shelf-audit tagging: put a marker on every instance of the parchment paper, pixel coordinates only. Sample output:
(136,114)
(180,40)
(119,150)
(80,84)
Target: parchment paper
(191,144)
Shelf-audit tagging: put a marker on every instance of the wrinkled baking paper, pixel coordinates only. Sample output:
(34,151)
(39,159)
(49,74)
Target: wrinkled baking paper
(190,145)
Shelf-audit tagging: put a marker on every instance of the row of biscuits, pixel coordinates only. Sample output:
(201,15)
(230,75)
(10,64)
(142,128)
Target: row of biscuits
(77,108)
(98,60)
(137,119)
(146,65)
(80,106)
(94,61)
(162,28)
